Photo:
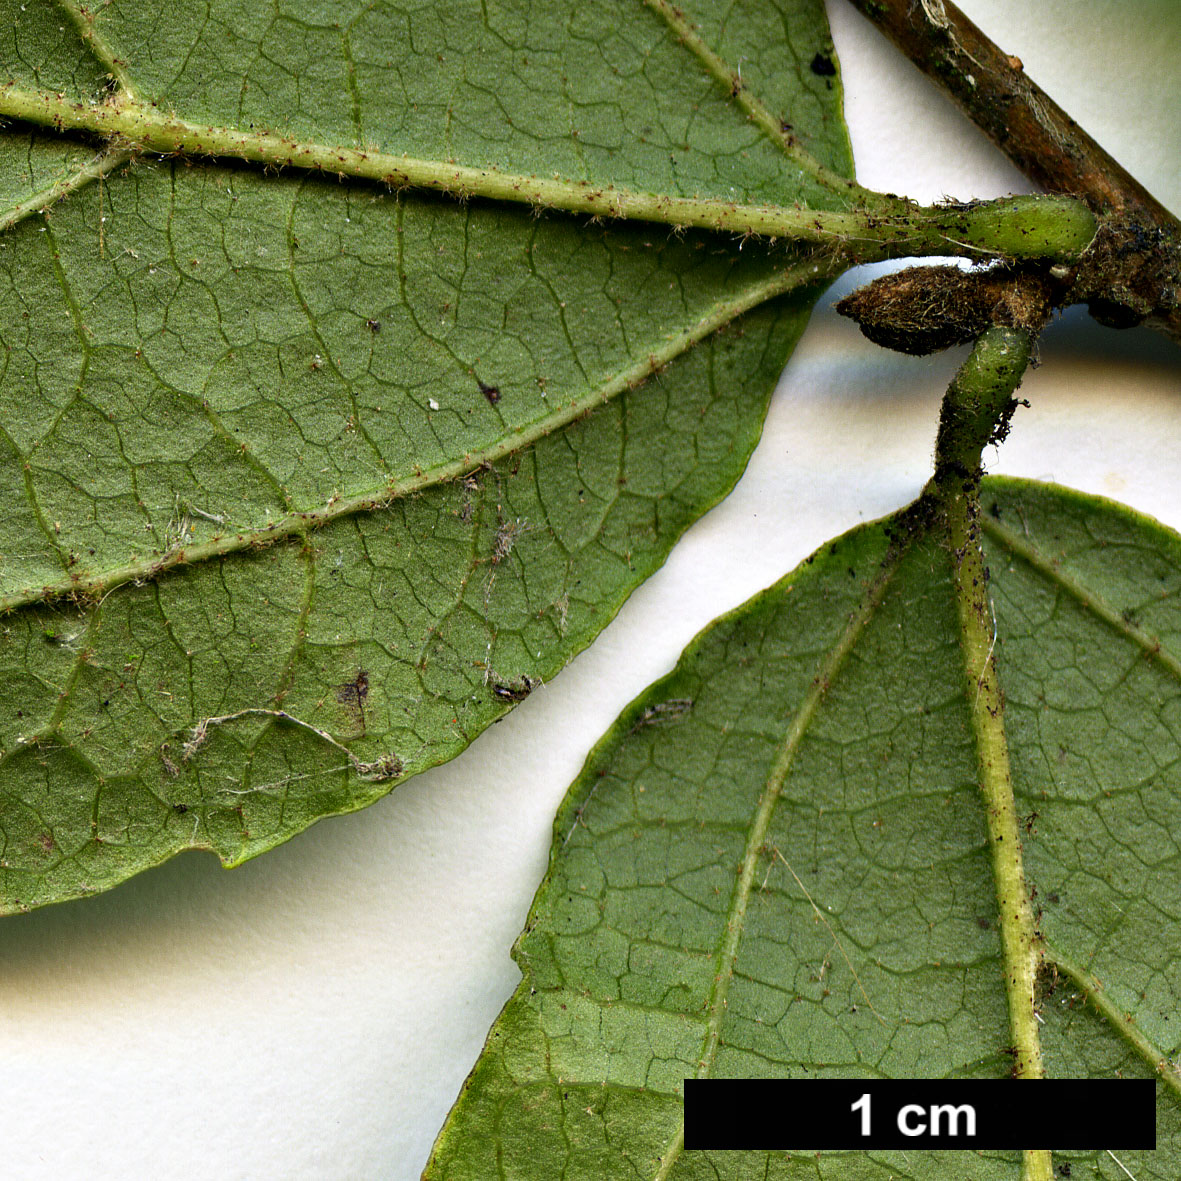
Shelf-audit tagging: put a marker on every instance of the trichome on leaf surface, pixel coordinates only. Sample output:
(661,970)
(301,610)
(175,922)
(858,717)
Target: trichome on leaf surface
(339,415)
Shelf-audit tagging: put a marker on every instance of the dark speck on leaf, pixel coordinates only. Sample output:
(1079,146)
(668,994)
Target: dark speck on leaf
(664,711)
(489,391)
(373,325)
(822,66)
(516,690)
(353,694)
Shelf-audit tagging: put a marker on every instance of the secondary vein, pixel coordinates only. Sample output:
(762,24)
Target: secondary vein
(298,524)
(830,666)
(83,20)
(1087,598)
(104,163)
(756,110)
(1117,1020)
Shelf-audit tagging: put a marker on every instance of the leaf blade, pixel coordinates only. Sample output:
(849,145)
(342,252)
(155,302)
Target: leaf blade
(275,438)
(603,93)
(882,823)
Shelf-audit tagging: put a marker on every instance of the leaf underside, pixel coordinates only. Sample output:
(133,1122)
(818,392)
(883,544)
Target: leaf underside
(645,961)
(307,482)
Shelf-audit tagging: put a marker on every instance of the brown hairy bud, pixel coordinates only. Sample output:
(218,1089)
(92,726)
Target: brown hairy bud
(924,309)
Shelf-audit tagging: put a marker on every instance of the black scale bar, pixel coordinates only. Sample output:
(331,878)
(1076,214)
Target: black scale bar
(817,1114)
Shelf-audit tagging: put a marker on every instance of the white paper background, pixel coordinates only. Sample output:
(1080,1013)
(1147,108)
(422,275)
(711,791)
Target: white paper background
(313,1013)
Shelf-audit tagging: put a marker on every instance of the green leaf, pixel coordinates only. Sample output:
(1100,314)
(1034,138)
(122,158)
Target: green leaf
(308,481)
(776,862)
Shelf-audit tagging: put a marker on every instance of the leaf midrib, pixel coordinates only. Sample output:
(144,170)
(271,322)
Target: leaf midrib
(728,77)
(125,123)
(1122,1023)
